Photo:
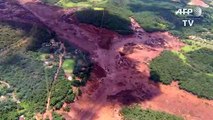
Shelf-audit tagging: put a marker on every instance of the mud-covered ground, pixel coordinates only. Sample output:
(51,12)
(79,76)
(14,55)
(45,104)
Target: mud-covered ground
(121,73)
(198,3)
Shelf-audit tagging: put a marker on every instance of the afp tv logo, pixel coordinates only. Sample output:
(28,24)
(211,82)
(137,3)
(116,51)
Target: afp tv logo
(189,12)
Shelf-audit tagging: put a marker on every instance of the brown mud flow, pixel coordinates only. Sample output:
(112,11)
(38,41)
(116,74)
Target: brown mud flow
(121,74)
(198,3)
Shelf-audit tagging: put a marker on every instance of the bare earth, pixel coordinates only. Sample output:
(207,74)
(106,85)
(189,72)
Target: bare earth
(198,3)
(121,74)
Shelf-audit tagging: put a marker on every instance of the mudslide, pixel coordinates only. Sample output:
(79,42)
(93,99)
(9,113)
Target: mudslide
(121,75)
(198,3)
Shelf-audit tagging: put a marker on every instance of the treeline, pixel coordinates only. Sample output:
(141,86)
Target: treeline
(27,77)
(23,70)
(61,92)
(105,19)
(83,65)
(8,110)
(136,113)
(11,33)
(150,15)
(194,74)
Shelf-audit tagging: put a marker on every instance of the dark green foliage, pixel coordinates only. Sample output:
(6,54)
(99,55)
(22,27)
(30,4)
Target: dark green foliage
(61,92)
(23,70)
(199,84)
(151,15)
(76,83)
(59,105)
(70,97)
(8,110)
(39,36)
(67,109)
(26,76)
(194,74)
(83,68)
(56,116)
(83,64)
(11,32)
(104,19)
(50,1)
(168,67)
(136,113)
(153,22)
(201,59)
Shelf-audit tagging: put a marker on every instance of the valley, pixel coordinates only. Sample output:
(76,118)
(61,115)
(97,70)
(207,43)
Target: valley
(108,70)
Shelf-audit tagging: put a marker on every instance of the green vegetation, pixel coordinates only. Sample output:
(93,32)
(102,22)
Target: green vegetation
(56,116)
(192,68)
(151,15)
(68,65)
(23,67)
(81,63)
(10,35)
(8,110)
(61,92)
(103,19)
(136,113)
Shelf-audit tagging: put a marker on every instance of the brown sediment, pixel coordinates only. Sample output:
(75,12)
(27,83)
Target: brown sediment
(198,3)
(121,76)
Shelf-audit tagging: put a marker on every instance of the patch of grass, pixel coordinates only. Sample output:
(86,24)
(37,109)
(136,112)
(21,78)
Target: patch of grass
(136,113)
(181,56)
(189,48)
(68,65)
(152,22)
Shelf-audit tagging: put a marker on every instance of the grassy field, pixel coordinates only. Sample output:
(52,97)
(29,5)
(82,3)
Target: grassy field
(192,67)
(68,65)
(136,113)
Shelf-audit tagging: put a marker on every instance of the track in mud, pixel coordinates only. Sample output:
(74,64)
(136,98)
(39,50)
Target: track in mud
(125,74)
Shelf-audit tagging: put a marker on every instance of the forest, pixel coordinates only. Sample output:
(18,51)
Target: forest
(135,112)
(150,15)
(23,67)
(193,70)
